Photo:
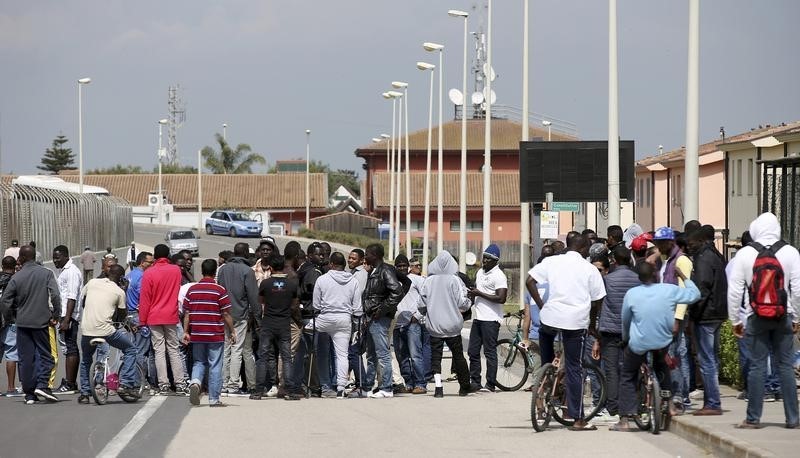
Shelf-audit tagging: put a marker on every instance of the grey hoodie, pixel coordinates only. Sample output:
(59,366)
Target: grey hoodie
(239,279)
(337,292)
(445,297)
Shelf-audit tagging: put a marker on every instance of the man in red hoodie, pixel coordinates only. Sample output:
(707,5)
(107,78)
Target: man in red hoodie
(158,310)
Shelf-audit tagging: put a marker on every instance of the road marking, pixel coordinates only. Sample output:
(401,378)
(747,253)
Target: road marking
(116,445)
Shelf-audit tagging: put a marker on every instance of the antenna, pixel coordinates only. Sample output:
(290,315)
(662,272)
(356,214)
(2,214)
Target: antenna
(456,97)
(177,116)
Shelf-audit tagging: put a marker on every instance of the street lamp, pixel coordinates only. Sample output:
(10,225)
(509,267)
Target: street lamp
(487,147)
(404,86)
(424,66)
(308,182)
(225,131)
(161,154)
(398,161)
(613,117)
(524,207)
(393,95)
(462,211)
(81,82)
(199,190)
(548,124)
(435,47)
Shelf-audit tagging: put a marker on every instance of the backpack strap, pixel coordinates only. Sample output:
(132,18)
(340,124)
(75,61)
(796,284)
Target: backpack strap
(758,247)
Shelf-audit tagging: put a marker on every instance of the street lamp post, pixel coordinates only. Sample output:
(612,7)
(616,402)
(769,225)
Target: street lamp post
(548,124)
(613,117)
(308,176)
(462,210)
(161,152)
(388,95)
(435,47)
(691,204)
(398,162)
(225,131)
(199,190)
(404,86)
(81,82)
(487,154)
(524,207)
(424,66)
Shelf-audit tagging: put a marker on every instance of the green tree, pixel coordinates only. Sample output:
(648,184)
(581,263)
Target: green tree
(58,157)
(346,178)
(118,169)
(229,160)
(176,169)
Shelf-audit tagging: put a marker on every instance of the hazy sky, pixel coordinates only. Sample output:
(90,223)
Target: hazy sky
(271,69)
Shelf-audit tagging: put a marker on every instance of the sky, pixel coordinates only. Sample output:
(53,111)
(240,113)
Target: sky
(272,69)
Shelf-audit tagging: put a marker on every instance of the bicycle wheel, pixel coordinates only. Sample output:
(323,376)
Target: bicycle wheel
(593,396)
(643,417)
(541,409)
(97,382)
(512,365)
(655,405)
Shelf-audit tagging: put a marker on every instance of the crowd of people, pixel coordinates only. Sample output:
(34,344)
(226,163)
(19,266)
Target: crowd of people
(304,322)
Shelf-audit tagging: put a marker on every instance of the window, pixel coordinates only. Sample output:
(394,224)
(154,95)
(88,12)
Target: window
(738,177)
(415,225)
(649,186)
(639,191)
(750,173)
(677,190)
(472,226)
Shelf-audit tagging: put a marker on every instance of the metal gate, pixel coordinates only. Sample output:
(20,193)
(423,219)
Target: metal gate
(781,195)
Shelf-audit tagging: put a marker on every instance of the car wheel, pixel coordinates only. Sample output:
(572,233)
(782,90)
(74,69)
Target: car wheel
(232,232)
(209,231)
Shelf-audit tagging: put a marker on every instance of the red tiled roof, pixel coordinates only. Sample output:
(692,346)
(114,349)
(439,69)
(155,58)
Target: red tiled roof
(505,189)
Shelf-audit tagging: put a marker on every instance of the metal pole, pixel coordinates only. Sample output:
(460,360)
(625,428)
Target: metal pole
(408,183)
(487,153)
(613,117)
(308,176)
(462,211)
(391,185)
(427,222)
(398,165)
(691,197)
(199,191)
(440,177)
(524,207)
(160,189)
(80,139)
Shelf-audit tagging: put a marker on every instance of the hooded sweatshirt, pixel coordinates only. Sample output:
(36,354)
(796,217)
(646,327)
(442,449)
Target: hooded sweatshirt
(409,306)
(445,297)
(765,230)
(239,279)
(337,292)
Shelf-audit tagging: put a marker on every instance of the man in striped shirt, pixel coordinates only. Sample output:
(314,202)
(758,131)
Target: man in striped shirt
(206,307)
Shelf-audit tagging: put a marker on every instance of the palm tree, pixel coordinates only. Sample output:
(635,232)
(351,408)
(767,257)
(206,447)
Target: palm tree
(229,160)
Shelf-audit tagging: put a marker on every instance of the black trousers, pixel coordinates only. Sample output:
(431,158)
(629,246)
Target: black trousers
(459,362)
(611,355)
(35,359)
(483,334)
(272,342)
(628,400)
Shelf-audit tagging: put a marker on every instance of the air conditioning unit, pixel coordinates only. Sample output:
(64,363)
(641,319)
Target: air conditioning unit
(152,199)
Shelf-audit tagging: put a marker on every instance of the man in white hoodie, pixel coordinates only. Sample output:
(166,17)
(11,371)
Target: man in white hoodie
(336,300)
(445,297)
(764,332)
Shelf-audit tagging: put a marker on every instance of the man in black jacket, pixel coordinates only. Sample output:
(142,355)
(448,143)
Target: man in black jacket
(707,314)
(380,298)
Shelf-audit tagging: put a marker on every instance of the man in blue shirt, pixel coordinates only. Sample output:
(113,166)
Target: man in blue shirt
(141,338)
(648,325)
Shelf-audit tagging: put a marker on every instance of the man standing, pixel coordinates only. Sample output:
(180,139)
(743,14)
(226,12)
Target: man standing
(70,282)
(355,262)
(336,301)
(239,280)
(28,297)
(488,296)
(105,303)
(141,336)
(132,254)
(408,331)
(762,332)
(707,314)
(309,273)
(87,264)
(13,250)
(206,315)
(8,331)
(261,267)
(445,299)
(576,291)
(158,310)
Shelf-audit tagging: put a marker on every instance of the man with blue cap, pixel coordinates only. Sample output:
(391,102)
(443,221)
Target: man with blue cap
(488,297)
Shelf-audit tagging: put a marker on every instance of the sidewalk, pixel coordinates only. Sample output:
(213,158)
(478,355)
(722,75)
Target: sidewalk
(718,434)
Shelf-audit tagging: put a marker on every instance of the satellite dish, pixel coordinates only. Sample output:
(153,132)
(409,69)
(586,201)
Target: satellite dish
(492,98)
(477,98)
(489,71)
(456,97)
(470,258)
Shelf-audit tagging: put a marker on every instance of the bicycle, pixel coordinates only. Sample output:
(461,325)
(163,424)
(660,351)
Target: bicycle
(517,362)
(103,373)
(549,393)
(653,412)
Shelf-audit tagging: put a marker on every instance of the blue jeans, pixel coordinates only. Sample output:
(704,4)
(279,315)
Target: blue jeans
(483,334)
(771,383)
(706,335)
(761,334)
(145,358)
(127,371)
(324,361)
(208,356)
(408,350)
(572,356)
(680,375)
(378,353)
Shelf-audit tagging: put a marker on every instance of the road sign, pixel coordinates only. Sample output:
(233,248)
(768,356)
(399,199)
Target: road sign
(549,225)
(566,207)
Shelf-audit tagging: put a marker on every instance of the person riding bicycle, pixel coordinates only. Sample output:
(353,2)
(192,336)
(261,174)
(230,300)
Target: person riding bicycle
(648,325)
(104,303)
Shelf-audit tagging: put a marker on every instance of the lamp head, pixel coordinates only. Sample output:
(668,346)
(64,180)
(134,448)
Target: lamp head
(395,94)
(386,95)
(546,123)
(458,13)
(162,121)
(308,131)
(385,136)
(425,66)
(376,140)
(84,81)
(432,46)
(399,85)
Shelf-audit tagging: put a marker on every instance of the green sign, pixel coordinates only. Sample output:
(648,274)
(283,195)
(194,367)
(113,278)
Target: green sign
(566,207)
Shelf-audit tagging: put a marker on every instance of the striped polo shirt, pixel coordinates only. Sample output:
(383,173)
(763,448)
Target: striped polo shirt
(205,303)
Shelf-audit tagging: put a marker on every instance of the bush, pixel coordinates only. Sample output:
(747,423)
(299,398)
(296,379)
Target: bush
(730,372)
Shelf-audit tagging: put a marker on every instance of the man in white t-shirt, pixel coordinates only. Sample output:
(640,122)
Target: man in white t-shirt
(70,282)
(576,292)
(488,297)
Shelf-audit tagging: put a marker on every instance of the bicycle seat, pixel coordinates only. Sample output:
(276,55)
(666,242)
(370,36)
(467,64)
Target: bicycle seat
(97,341)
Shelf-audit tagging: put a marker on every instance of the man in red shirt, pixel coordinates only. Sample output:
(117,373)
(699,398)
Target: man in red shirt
(158,310)
(205,308)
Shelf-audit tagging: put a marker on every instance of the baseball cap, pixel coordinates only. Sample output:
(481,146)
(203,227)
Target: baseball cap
(664,233)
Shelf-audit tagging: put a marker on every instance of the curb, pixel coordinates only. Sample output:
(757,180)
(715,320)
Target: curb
(720,444)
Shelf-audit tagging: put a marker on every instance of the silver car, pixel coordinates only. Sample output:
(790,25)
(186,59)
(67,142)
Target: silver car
(182,239)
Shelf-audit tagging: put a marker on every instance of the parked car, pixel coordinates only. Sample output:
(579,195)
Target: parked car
(182,239)
(233,223)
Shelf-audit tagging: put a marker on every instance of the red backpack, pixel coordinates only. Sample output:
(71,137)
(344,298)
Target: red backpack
(768,296)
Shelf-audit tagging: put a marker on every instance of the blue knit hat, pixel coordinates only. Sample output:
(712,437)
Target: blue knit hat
(664,233)
(492,251)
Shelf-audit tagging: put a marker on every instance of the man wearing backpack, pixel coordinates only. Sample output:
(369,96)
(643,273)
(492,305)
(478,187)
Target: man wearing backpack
(769,268)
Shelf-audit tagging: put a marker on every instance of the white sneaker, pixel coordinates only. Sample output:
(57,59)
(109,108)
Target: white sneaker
(696,394)
(272,392)
(381,394)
